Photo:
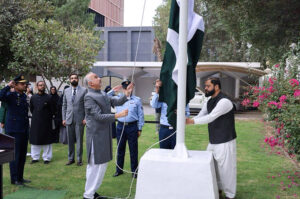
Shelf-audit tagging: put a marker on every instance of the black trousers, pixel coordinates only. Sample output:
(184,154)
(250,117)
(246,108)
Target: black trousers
(130,134)
(17,166)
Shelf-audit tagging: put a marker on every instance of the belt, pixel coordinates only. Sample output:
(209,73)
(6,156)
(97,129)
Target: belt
(127,123)
(167,127)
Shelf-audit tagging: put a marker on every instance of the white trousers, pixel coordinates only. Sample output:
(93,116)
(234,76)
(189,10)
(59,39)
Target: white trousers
(225,164)
(94,176)
(36,151)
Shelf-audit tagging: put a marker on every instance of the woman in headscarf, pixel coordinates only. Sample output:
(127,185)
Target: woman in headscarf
(57,116)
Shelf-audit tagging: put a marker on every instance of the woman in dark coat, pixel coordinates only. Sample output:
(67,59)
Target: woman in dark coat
(57,116)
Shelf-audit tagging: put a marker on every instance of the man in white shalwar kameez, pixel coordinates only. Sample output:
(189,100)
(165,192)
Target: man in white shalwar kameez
(218,113)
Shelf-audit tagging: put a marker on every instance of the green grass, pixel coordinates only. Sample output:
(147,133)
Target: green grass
(255,164)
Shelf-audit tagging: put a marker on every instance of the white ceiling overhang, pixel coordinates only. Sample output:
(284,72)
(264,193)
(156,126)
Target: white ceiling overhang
(203,69)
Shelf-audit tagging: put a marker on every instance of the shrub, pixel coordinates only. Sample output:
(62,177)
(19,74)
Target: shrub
(279,100)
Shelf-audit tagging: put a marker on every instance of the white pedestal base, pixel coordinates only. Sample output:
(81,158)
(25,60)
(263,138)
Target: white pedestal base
(162,176)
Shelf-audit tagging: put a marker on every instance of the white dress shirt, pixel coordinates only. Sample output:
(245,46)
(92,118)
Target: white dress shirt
(222,107)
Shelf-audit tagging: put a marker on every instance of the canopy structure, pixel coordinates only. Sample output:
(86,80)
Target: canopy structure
(124,69)
(232,74)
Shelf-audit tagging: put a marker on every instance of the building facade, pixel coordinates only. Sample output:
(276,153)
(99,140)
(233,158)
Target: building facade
(108,12)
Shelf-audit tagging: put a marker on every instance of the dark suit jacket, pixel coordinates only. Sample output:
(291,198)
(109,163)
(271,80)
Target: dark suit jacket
(17,111)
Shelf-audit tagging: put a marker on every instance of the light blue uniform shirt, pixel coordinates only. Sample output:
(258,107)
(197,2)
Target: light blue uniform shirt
(135,111)
(163,117)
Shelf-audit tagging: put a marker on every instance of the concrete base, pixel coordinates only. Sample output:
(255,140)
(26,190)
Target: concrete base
(163,176)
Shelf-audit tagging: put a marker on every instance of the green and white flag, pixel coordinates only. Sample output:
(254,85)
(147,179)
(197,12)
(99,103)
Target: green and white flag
(169,70)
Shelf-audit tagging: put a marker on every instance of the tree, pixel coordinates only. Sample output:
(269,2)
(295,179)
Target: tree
(161,22)
(242,30)
(73,13)
(218,44)
(266,27)
(48,49)
(11,13)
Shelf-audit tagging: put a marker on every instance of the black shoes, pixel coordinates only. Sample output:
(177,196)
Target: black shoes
(70,162)
(34,161)
(97,196)
(18,183)
(79,163)
(25,181)
(117,174)
(134,175)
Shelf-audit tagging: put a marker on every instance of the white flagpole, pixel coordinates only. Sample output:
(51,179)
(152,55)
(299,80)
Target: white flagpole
(180,149)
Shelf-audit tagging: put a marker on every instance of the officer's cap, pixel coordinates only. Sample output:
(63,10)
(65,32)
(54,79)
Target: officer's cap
(20,79)
(125,84)
(107,88)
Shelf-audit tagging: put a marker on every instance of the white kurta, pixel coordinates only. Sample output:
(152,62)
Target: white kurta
(225,153)
(94,176)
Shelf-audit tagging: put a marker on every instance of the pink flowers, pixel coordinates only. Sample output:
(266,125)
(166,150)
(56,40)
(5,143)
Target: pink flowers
(279,105)
(297,93)
(271,81)
(294,82)
(276,66)
(271,89)
(255,104)
(272,103)
(245,102)
(271,141)
(282,98)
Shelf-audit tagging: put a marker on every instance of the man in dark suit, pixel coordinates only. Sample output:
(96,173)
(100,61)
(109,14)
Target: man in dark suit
(16,125)
(73,115)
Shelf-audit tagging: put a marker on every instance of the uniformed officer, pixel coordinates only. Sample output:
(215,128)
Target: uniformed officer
(166,130)
(16,125)
(132,124)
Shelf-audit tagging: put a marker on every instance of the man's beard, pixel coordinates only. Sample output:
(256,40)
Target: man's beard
(74,83)
(209,93)
(42,91)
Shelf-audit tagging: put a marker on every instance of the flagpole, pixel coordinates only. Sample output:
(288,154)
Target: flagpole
(180,149)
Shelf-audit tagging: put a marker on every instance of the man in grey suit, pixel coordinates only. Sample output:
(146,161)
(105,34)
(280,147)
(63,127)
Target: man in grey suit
(73,115)
(98,131)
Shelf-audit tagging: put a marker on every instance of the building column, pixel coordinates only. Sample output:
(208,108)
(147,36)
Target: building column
(261,81)
(237,88)
(198,83)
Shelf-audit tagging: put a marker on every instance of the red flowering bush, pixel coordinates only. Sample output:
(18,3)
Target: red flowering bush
(279,100)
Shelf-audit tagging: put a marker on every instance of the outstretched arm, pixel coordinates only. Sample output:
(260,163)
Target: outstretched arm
(222,107)
(118,100)
(92,108)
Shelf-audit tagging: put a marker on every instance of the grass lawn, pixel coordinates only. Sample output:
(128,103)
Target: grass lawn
(261,175)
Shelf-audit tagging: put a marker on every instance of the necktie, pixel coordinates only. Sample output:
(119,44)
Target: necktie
(74,94)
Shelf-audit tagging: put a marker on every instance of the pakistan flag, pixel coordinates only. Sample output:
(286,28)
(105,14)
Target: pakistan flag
(169,70)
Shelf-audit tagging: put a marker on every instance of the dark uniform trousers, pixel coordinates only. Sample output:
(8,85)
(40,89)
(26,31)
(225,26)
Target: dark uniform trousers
(164,132)
(17,166)
(131,134)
